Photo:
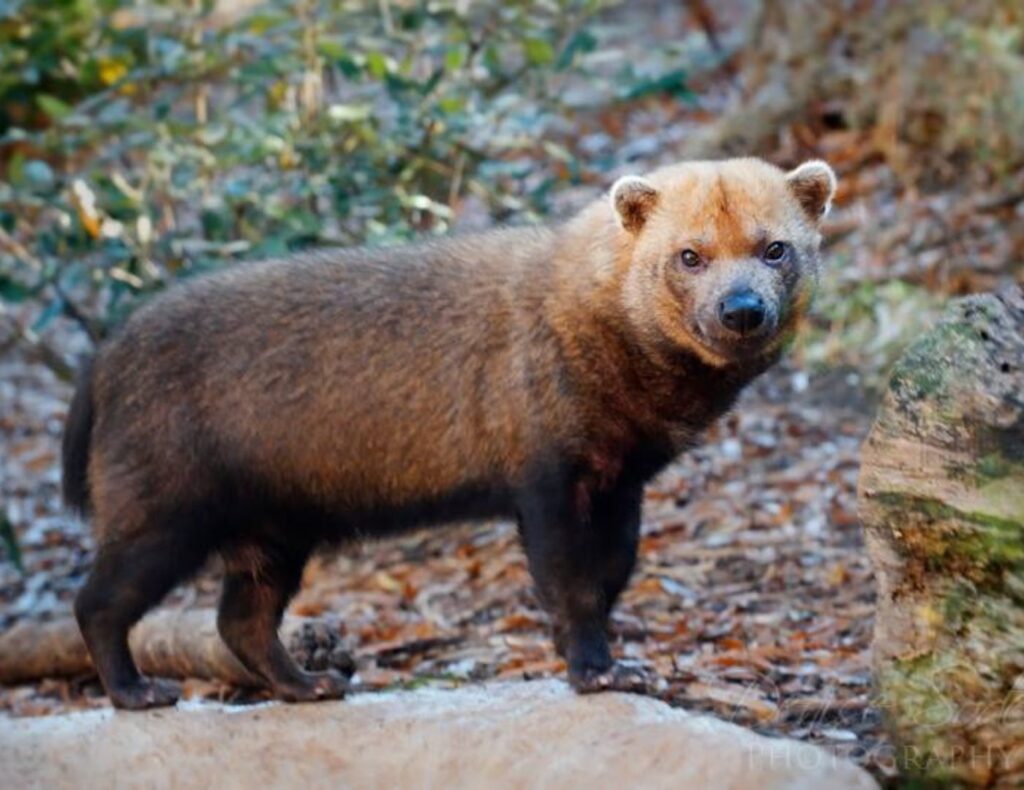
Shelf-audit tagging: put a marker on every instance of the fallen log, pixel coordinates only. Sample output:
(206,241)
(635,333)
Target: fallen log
(942,502)
(167,643)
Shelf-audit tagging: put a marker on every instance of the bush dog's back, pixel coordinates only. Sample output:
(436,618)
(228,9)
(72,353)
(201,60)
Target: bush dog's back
(542,374)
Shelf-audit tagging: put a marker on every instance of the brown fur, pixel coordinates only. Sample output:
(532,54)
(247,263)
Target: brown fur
(393,387)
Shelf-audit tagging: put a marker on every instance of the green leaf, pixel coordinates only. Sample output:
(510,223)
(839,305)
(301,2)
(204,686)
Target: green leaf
(492,60)
(52,310)
(452,104)
(454,58)
(334,50)
(377,64)
(10,542)
(538,51)
(52,106)
(12,291)
(428,85)
(397,85)
(265,20)
(672,83)
(583,42)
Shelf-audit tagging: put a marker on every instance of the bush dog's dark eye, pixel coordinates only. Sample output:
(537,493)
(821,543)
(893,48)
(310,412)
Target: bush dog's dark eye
(776,252)
(690,259)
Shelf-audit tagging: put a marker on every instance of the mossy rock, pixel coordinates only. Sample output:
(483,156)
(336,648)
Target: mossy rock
(942,501)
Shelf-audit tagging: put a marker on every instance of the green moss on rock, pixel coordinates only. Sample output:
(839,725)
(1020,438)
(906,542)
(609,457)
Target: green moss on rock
(945,532)
(924,370)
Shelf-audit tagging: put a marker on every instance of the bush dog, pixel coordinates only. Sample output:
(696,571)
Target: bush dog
(541,374)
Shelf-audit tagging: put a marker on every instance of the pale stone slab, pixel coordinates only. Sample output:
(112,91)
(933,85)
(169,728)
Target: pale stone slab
(497,735)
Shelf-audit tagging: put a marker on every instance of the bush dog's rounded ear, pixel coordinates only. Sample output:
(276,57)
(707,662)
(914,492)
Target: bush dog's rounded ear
(814,184)
(633,198)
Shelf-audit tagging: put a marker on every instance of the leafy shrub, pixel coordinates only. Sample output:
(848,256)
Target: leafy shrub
(53,53)
(145,142)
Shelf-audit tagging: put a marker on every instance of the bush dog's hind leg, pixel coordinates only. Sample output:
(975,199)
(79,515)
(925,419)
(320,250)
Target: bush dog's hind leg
(581,551)
(258,583)
(129,577)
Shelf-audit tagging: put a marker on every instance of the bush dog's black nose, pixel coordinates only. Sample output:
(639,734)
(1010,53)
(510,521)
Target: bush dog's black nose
(741,311)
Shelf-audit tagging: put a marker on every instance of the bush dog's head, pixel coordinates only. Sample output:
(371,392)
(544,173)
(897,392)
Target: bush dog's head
(722,255)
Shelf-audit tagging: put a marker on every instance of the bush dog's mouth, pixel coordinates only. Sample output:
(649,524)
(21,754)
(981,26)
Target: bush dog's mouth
(734,347)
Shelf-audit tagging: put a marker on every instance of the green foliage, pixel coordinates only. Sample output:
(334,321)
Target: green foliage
(143,142)
(865,325)
(50,55)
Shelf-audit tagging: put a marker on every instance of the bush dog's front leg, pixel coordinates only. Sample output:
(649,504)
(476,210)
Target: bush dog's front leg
(581,549)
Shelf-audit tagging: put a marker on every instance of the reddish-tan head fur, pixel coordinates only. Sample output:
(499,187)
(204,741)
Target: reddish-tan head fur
(719,257)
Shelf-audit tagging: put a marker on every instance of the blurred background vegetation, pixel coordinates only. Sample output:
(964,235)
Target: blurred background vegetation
(141,142)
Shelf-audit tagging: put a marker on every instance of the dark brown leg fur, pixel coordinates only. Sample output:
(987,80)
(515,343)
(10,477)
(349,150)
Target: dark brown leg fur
(258,584)
(129,577)
(615,530)
(580,563)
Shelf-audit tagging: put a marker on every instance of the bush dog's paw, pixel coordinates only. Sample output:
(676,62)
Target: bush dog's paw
(621,676)
(146,693)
